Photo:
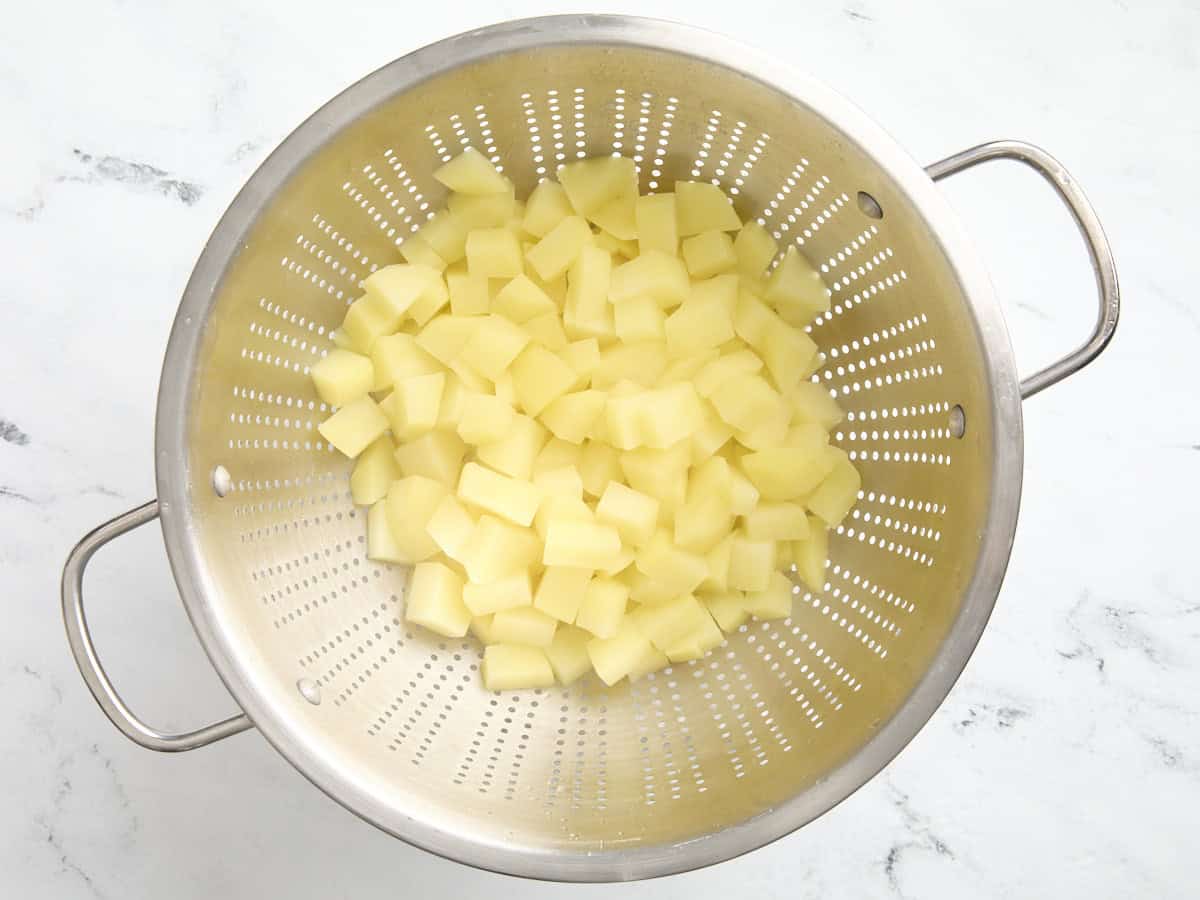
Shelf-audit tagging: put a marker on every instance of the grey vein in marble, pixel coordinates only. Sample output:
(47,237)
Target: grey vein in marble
(11,434)
(99,169)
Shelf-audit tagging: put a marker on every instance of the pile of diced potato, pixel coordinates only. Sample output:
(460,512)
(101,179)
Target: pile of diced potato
(588,421)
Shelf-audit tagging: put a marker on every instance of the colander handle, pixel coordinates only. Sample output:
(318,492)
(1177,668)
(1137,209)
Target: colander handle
(1093,235)
(84,650)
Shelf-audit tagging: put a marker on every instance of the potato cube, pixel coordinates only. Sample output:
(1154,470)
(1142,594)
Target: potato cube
(514,453)
(494,253)
(665,624)
(561,482)
(622,423)
(539,378)
(568,654)
(509,592)
(523,625)
(746,401)
(796,290)
(514,500)
(481,627)
(674,568)
(751,564)
(786,473)
(775,601)
(703,638)
(472,173)
(590,183)
(744,495)
(586,311)
(790,355)
(341,377)
(396,288)
(754,247)
(753,320)
(660,473)
(548,331)
(418,252)
(451,527)
(645,590)
(556,454)
(728,608)
(430,303)
(571,416)
(435,600)
(654,216)
(725,367)
(410,503)
(670,415)
(638,319)
(718,565)
(603,606)
(493,346)
(632,513)
(355,426)
(412,408)
(468,293)
(445,337)
(521,300)
(511,667)
(651,660)
(615,657)
(341,339)
(547,206)
(504,389)
(446,233)
(709,254)
(585,545)
(381,545)
(777,522)
(810,402)
(366,321)
(771,433)
(561,591)
(642,363)
(583,356)
(705,319)
(702,522)
(838,490)
(812,555)
(484,418)
(437,455)
(701,207)
(483,210)
(654,274)
(397,357)
(498,549)
(785,555)
(617,217)
(627,249)
(559,507)
(374,471)
(711,435)
(598,465)
(559,248)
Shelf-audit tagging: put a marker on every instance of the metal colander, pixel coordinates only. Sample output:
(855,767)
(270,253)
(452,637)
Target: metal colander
(701,761)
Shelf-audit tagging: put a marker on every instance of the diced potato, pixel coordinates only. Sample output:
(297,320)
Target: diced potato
(755,247)
(437,455)
(446,233)
(703,638)
(548,331)
(812,403)
(598,465)
(411,503)
(468,293)
(674,568)
(430,303)
(561,482)
(396,288)
(660,473)
(632,513)
(493,345)
(435,600)
(355,426)
(645,590)
(451,527)
(590,183)
(498,549)
(751,564)
(585,545)
(444,337)
(717,560)
(728,608)
(642,363)
(656,226)
(770,433)
(514,453)
(786,473)
(753,320)
(341,339)
(796,290)
(366,321)
(615,246)
(561,591)
(494,253)
(559,507)
(774,602)
(381,545)
(521,300)
(341,377)
(790,355)
(838,490)
(556,454)
(571,416)
(744,495)
(685,368)
(777,522)
(614,658)
(586,311)
(472,173)
(397,357)
(559,248)
(654,274)
(509,592)
(583,356)
(812,554)
(504,388)
(412,408)
(720,370)
(539,378)
(602,607)
(484,418)
(652,659)
(702,522)
(670,415)
(418,252)
(709,253)
(523,625)
(483,210)
(514,500)
(746,401)
(568,654)
(617,217)
(510,667)
(710,436)
(701,207)
(638,319)
(374,471)
(547,206)
(665,624)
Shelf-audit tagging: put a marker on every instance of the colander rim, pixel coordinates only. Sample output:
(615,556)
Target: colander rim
(175,482)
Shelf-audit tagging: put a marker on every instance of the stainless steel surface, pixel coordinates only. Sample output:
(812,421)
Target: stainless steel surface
(88,661)
(1099,252)
(703,761)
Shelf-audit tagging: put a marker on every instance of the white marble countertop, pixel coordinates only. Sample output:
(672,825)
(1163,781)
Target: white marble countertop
(1066,760)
